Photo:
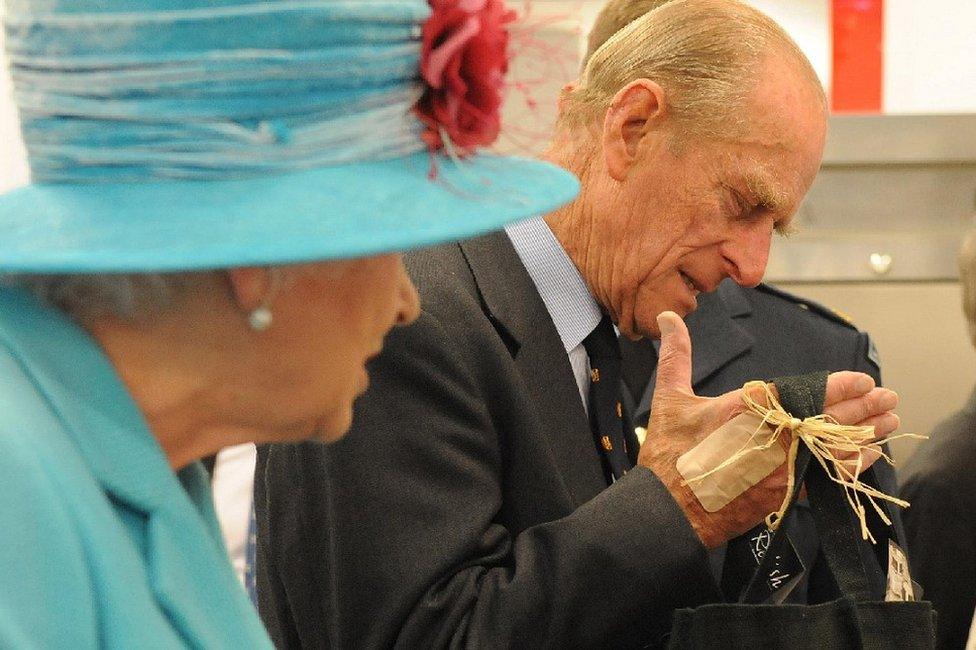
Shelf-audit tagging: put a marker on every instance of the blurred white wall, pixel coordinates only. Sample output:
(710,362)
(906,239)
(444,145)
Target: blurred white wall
(550,41)
(13,163)
(930,56)
(808,22)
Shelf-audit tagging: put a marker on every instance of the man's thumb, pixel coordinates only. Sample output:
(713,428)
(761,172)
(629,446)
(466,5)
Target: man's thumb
(674,359)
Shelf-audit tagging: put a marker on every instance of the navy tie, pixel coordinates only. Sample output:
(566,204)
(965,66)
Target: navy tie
(607,419)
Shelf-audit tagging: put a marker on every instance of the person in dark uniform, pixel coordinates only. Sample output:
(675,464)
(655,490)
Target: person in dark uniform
(940,483)
(740,334)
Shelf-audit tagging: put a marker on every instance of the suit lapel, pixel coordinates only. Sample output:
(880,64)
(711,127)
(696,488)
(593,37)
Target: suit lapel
(513,305)
(716,337)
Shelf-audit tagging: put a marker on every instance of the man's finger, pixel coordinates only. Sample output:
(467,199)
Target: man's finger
(858,409)
(846,385)
(674,359)
(884,425)
(868,458)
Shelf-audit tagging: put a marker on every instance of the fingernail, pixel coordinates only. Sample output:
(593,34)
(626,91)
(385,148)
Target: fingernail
(889,400)
(864,384)
(664,324)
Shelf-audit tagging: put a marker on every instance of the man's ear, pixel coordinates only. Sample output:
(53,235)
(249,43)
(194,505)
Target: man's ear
(250,286)
(637,110)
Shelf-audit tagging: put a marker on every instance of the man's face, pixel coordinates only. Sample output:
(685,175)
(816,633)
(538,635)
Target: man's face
(689,214)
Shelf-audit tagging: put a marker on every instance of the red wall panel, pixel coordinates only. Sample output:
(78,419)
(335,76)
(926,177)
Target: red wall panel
(857,65)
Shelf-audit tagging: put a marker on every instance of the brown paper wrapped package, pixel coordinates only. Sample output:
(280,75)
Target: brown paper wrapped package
(715,471)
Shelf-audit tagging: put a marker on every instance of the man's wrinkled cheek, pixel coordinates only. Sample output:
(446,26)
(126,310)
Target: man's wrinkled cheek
(643,313)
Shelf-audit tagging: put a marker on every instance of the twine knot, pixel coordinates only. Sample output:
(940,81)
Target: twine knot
(838,448)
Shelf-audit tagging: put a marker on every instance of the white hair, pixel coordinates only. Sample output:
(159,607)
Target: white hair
(704,53)
(127,296)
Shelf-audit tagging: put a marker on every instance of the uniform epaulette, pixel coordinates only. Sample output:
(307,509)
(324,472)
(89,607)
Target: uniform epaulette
(809,305)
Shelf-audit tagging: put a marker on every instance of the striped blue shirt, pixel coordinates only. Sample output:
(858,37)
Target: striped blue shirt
(573,310)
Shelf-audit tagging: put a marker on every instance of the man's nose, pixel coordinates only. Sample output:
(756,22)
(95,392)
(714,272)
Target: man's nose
(748,255)
(408,300)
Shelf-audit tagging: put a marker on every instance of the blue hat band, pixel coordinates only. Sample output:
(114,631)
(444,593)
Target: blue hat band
(138,33)
(145,96)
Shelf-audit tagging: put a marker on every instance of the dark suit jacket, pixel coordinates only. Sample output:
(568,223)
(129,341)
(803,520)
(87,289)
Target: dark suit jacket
(940,483)
(741,334)
(468,505)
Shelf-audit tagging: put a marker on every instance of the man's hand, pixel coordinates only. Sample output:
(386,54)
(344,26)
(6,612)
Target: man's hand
(680,420)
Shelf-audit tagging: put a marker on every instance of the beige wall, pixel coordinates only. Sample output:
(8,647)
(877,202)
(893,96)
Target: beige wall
(921,334)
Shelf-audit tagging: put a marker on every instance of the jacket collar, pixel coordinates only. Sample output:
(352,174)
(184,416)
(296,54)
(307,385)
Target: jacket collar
(716,336)
(507,293)
(83,389)
(185,558)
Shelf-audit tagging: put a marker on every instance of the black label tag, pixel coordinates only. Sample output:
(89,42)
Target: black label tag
(787,568)
(743,556)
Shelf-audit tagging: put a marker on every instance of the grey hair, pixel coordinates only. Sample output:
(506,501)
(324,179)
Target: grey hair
(705,53)
(127,296)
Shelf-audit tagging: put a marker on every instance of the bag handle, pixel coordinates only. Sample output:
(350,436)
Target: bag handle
(803,397)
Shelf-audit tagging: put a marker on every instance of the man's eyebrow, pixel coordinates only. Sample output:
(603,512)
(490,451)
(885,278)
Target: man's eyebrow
(770,197)
(765,192)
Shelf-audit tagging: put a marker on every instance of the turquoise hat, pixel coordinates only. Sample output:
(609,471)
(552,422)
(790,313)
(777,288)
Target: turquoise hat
(167,135)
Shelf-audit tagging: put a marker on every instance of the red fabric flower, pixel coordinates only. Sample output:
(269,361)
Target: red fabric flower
(463,61)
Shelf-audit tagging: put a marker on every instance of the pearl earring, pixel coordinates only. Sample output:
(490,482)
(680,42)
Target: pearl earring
(260,319)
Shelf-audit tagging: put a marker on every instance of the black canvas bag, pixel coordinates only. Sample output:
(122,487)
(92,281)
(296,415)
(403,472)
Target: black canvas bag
(858,618)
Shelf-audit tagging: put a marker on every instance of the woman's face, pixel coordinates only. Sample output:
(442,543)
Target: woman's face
(330,319)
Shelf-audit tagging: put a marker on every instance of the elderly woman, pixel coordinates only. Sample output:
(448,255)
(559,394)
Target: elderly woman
(206,258)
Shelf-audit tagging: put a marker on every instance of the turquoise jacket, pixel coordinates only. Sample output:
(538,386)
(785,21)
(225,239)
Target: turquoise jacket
(102,545)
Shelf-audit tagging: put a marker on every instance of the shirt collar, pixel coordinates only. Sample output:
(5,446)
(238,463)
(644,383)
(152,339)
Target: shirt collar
(568,300)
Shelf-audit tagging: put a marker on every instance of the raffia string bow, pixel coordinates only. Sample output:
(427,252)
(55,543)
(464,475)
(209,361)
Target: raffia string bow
(838,448)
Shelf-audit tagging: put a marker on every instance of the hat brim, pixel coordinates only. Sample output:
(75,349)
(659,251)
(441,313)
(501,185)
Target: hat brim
(337,212)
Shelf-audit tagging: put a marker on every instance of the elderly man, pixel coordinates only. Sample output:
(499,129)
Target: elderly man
(741,333)
(491,502)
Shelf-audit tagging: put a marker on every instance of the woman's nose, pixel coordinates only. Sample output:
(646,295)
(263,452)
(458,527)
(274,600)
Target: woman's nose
(408,305)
